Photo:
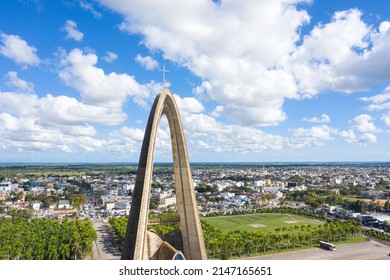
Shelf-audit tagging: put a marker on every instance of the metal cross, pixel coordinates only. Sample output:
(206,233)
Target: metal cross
(163,74)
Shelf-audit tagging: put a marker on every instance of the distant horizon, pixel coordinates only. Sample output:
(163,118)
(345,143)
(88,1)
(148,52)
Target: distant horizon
(200,162)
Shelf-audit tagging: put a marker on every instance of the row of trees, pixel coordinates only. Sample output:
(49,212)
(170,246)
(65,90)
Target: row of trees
(282,210)
(315,198)
(119,224)
(378,234)
(237,243)
(43,239)
(221,245)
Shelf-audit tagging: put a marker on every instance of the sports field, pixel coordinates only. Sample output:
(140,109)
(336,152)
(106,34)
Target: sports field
(263,222)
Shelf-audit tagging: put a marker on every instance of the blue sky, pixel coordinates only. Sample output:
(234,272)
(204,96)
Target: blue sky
(280,80)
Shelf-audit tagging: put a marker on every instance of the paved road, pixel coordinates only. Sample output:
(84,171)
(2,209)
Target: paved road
(104,248)
(370,250)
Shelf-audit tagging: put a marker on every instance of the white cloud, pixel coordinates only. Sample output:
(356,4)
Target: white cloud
(363,139)
(69,111)
(320,62)
(60,124)
(18,50)
(63,123)
(367,138)
(217,111)
(147,62)
(250,55)
(324,119)
(208,134)
(89,7)
(72,31)
(188,105)
(97,88)
(386,119)
(10,102)
(379,101)
(349,136)
(110,57)
(203,36)
(18,84)
(23,134)
(314,136)
(364,123)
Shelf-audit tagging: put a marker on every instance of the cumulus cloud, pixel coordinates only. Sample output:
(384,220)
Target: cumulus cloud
(324,119)
(217,111)
(379,101)
(110,57)
(367,138)
(63,123)
(147,62)
(314,136)
(111,90)
(188,105)
(223,44)
(205,133)
(364,123)
(13,81)
(203,36)
(349,136)
(60,123)
(386,119)
(364,139)
(72,31)
(18,50)
(320,62)
(23,134)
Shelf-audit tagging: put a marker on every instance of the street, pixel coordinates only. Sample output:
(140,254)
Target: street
(370,250)
(104,248)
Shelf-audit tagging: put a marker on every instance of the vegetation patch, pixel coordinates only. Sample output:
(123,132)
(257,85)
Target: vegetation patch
(270,221)
(235,236)
(43,239)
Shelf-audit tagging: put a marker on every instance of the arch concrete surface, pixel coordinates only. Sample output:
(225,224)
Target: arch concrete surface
(140,244)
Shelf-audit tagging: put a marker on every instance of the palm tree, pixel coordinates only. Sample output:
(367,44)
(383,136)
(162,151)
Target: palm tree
(294,238)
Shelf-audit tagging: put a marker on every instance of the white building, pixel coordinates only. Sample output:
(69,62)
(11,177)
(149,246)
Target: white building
(109,205)
(259,183)
(36,205)
(166,201)
(271,189)
(5,186)
(64,204)
(128,187)
(371,193)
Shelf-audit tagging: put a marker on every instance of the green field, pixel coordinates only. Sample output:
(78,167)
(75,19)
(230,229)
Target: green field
(263,222)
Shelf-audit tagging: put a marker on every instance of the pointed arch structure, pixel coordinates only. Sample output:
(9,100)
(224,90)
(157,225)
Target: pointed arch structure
(138,243)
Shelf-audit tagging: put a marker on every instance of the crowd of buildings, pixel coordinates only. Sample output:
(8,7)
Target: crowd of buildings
(217,188)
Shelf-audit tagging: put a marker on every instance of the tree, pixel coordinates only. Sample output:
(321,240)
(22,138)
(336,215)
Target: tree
(78,200)
(386,206)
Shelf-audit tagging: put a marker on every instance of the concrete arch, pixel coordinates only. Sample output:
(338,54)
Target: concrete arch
(137,243)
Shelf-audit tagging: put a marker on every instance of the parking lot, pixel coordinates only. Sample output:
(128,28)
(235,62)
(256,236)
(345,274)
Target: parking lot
(370,250)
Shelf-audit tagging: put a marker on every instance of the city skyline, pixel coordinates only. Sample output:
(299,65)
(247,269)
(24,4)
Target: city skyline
(255,81)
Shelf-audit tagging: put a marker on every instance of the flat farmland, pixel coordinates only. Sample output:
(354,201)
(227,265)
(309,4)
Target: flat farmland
(265,222)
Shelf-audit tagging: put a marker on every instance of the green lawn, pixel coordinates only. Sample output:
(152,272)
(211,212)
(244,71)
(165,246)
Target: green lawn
(263,222)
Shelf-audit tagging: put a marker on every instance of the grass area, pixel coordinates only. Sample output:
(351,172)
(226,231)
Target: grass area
(265,222)
(35,171)
(381,202)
